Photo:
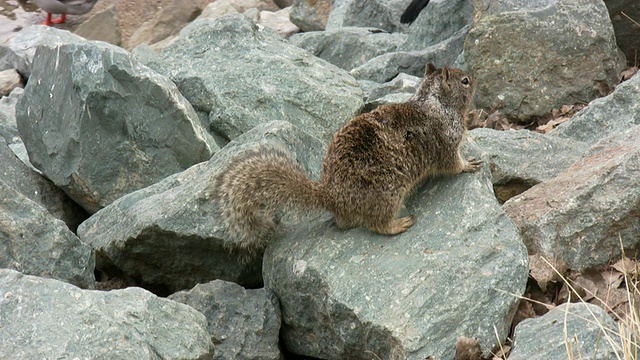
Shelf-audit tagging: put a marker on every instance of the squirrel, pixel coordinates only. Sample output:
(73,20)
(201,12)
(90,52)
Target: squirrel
(370,166)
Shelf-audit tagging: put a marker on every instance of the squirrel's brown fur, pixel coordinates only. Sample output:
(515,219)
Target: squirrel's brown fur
(371,165)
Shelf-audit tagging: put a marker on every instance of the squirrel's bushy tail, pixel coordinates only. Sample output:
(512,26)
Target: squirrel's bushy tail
(257,185)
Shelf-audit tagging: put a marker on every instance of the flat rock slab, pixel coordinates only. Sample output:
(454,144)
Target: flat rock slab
(48,319)
(171,235)
(242,75)
(351,294)
(583,215)
(100,125)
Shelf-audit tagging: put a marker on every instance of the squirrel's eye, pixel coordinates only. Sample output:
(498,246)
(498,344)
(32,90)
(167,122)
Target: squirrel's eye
(465,81)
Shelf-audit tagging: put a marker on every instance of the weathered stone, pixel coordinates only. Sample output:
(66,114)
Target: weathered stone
(605,116)
(586,213)
(530,58)
(583,327)
(8,126)
(103,26)
(9,80)
(440,20)
(546,157)
(35,243)
(348,47)
(626,27)
(171,235)
(311,15)
(10,60)
(167,22)
(278,21)
(48,319)
(218,9)
(36,188)
(25,42)
(243,324)
(386,67)
(349,294)
(254,76)
(398,90)
(380,14)
(101,125)
(243,5)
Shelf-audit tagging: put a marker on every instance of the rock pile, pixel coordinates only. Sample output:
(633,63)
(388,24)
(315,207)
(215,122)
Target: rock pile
(107,155)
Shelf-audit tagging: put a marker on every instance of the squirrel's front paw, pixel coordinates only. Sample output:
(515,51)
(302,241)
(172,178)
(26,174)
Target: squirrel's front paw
(472,166)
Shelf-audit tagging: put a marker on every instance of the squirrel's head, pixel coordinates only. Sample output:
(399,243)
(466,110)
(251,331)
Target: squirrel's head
(450,87)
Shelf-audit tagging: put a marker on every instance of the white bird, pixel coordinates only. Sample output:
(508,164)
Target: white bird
(64,7)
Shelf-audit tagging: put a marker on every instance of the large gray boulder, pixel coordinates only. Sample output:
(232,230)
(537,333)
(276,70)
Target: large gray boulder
(48,319)
(348,47)
(586,329)
(385,67)
(25,43)
(438,21)
(10,60)
(8,125)
(243,324)
(243,75)
(310,15)
(36,243)
(529,58)
(605,116)
(546,157)
(381,14)
(171,235)
(36,188)
(100,125)
(350,294)
(584,215)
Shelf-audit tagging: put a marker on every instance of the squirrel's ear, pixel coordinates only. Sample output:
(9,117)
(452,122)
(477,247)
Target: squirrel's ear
(429,69)
(445,74)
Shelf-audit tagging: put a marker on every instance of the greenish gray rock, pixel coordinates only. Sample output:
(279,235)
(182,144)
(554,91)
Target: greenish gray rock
(437,22)
(398,90)
(25,42)
(254,76)
(546,157)
(529,58)
(585,214)
(350,294)
(381,14)
(49,319)
(8,126)
(606,116)
(626,27)
(243,324)
(38,189)
(310,15)
(172,236)
(36,243)
(100,125)
(385,67)
(10,60)
(586,328)
(348,47)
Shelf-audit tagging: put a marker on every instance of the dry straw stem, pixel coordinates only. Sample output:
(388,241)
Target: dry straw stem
(625,345)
